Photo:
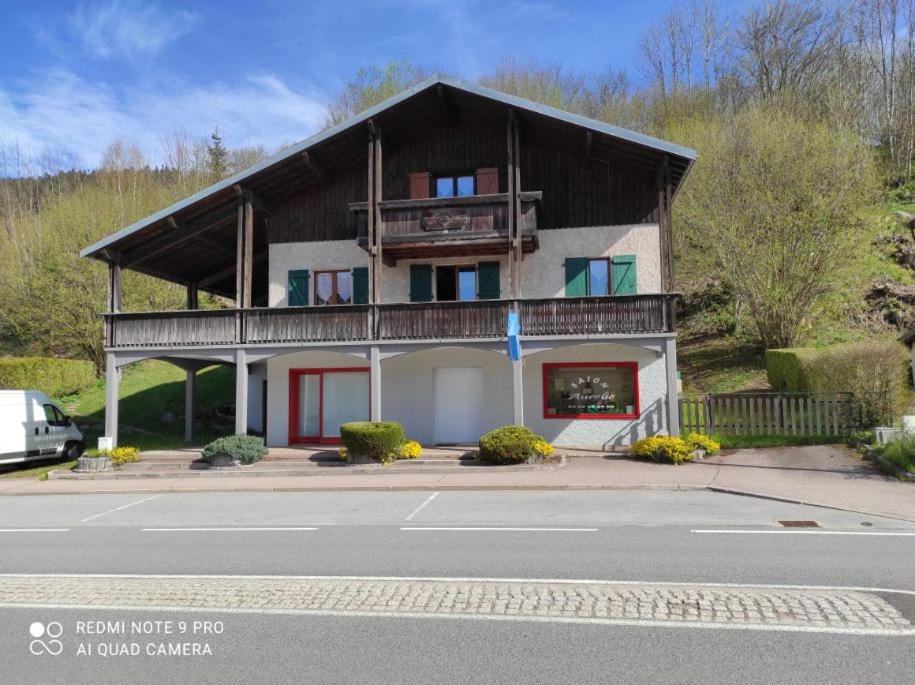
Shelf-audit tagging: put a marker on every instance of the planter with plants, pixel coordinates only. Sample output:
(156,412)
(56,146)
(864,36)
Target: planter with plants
(106,460)
(234,450)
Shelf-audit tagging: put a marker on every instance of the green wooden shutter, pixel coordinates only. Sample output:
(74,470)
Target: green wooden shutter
(624,274)
(488,280)
(420,282)
(576,276)
(298,288)
(361,285)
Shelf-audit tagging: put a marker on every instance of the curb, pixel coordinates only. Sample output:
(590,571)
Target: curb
(807,503)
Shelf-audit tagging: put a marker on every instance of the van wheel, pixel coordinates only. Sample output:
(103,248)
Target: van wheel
(73,450)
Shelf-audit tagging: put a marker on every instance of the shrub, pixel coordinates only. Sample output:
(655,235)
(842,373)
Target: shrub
(509,445)
(860,438)
(124,455)
(662,448)
(899,456)
(543,448)
(410,450)
(698,441)
(246,449)
(874,371)
(378,440)
(54,377)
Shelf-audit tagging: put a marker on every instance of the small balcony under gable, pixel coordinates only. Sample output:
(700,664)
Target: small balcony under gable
(449,226)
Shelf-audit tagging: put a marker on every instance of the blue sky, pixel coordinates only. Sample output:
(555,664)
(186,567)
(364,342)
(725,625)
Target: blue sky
(75,75)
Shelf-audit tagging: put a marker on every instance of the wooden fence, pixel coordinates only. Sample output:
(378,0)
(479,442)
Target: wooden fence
(799,414)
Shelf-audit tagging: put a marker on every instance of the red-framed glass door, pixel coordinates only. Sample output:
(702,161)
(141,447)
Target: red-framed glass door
(320,400)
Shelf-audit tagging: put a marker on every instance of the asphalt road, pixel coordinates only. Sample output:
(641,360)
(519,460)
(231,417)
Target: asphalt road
(625,536)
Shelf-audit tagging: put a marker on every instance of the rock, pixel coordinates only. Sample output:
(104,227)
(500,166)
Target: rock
(892,303)
(223,461)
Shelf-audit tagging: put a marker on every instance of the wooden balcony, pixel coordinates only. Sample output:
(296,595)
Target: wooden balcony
(448,226)
(483,319)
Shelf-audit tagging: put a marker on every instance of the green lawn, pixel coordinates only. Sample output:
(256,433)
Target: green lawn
(720,365)
(151,392)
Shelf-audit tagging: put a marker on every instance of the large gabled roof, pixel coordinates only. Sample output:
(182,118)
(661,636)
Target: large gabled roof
(681,157)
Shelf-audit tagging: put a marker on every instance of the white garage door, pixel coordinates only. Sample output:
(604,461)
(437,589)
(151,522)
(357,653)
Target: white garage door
(458,405)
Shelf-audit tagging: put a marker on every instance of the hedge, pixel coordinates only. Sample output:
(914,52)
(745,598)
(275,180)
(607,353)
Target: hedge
(54,377)
(874,371)
(379,440)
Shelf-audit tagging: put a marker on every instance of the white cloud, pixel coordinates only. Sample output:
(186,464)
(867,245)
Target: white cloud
(127,29)
(61,110)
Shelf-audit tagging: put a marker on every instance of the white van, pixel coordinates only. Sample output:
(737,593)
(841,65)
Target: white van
(33,427)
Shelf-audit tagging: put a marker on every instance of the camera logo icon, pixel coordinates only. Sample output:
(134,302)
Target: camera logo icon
(45,638)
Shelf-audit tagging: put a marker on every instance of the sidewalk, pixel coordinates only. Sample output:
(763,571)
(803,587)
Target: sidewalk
(823,475)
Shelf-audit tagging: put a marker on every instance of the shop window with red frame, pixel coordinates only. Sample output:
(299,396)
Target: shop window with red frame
(591,390)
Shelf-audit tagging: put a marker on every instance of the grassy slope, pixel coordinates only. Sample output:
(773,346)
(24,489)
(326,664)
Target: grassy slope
(151,390)
(726,364)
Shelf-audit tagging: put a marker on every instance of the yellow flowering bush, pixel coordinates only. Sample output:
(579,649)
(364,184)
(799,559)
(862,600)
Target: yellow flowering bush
(662,448)
(124,455)
(410,450)
(697,441)
(344,455)
(543,448)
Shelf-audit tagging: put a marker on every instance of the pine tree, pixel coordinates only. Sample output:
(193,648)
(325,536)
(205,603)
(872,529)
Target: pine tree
(217,157)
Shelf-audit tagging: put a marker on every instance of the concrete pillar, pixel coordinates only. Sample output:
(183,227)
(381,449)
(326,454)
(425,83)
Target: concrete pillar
(673,398)
(518,392)
(375,383)
(112,383)
(190,390)
(241,393)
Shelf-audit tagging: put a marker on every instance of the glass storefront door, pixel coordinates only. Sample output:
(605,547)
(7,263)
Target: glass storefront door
(320,400)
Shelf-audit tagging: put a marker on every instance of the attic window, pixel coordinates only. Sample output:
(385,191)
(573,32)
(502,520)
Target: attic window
(454,186)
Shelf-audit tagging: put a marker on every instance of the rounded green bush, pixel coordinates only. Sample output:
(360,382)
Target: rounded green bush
(379,440)
(247,449)
(508,445)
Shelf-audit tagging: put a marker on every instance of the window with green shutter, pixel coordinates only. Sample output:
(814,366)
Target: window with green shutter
(420,282)
(576,276)
(488,280)
(360,285)
(297,291)
(623,271)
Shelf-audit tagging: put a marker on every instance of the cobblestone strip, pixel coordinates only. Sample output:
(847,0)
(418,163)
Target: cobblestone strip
(717,606)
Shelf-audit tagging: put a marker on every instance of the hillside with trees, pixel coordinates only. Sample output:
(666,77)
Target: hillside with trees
(794,226)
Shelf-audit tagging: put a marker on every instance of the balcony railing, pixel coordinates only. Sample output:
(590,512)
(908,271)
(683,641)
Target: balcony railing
(481,319)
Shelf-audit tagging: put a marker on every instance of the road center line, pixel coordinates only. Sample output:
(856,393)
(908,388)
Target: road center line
(502,529)
(420,507)
(227,529)
(801,532)
(111,511)
(34,530)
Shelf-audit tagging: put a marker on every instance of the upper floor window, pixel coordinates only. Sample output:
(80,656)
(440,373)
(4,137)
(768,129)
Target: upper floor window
(333,287)
(454,186)
(600,276)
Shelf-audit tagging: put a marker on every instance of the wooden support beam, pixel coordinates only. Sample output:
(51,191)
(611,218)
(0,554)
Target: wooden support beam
(589,138)
(512,178)
(248,263)
(248,195)
(240,255)
(313,165)
(379,224)
(171,241)
(193,299)
(114,288)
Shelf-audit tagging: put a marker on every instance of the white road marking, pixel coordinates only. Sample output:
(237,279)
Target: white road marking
(111,511)
(503,529)
(227,529)
(420,507)
(34,530)
(471,579)
(801,532)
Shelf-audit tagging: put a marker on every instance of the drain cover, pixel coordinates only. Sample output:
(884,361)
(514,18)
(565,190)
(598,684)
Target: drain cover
(799,524)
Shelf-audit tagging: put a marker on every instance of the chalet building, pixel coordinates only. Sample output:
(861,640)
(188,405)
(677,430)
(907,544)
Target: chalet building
(373,268)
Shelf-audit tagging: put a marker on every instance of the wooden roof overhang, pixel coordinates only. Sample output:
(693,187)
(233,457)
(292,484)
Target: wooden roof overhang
(194,240)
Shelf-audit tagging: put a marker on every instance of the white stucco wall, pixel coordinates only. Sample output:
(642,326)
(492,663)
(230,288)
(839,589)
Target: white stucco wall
(542,272)
(408,391)
(278,385)
(314,256)
(598,432)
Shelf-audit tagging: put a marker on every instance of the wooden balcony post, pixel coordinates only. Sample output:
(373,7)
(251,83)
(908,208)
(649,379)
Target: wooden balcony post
(240,256)
(114,287)
(193,298)
(379,224)
(248,257)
